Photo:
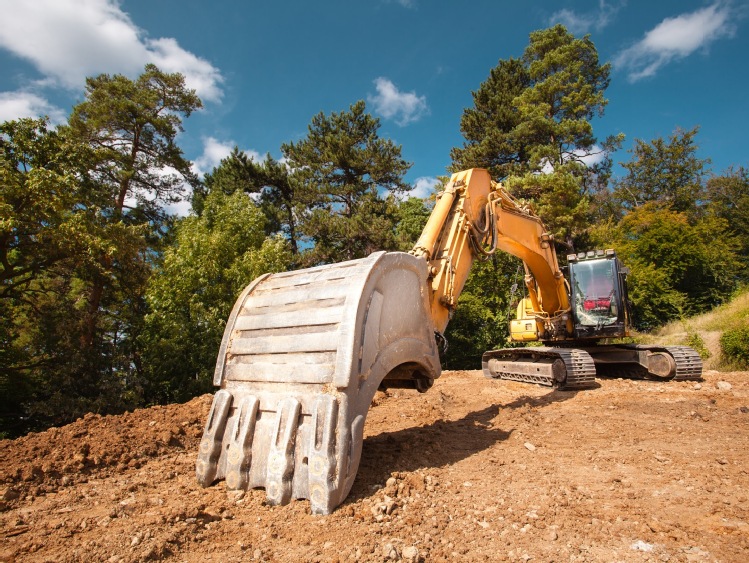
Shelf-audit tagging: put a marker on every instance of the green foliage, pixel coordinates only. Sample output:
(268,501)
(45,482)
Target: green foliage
(82,222)
(695,341)
(557,198)
(728,197)
(666,173)
(278,187)
(490,126)
(215,256)
(51,235)
(654,300)
(282,198)
(343,165)
(531,123)
(566,92)
(533,113)
(234,173)
(481,320)
(131,127)
(680,246)
(40,224)
(677,268)
(412,215)
(734,346)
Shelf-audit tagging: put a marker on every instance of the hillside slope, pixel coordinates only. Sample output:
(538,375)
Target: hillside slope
(704,330)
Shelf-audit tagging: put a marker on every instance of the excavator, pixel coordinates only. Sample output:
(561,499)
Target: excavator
(304,351)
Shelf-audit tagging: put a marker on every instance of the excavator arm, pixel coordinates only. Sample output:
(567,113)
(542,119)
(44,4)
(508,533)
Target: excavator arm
(474,217)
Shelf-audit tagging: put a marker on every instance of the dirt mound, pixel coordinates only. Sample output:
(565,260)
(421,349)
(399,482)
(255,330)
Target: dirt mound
(472,470)
(97,446)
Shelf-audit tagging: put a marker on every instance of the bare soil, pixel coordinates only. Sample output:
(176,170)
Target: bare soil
(473,470)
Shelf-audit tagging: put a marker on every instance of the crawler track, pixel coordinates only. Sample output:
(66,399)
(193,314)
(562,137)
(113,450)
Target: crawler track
(688,363)
(561,368)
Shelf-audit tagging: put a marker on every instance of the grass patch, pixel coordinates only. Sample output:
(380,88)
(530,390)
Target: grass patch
(695,341)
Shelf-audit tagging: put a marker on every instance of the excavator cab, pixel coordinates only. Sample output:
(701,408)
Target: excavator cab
(598,295)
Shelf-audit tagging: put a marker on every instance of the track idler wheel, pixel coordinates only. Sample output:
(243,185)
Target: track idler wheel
(661,365)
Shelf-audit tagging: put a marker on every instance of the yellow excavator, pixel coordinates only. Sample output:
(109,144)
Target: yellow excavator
(305,351)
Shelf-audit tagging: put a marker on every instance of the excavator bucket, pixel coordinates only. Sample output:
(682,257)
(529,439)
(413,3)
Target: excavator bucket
(301,358)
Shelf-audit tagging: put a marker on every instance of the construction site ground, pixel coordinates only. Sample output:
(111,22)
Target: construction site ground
(473,470)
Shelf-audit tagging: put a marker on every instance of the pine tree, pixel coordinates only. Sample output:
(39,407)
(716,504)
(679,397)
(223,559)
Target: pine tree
(348,179)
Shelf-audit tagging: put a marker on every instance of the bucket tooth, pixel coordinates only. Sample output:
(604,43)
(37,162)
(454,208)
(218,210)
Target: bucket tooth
(281,457)
(207,465)
(322,458)
(239,454)
(355,441)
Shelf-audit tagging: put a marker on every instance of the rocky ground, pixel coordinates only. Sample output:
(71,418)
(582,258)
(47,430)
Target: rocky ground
(473,470)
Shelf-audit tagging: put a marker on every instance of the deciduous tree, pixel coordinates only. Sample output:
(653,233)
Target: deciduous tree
(728,197)
(277,190)
(412,215)
(481,320)
(679,267)
(214,257)
(666,172)
(52,235)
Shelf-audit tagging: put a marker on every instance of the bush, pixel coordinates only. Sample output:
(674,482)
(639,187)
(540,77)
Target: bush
(696,342)
(734,345)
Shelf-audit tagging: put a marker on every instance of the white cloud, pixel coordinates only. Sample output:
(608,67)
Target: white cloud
(423,187)
(405,3)
(68,40)
(199,74)
(180,208)
(14,105)
(403,107)
(590,158)
(214,151)
(595,155)
(676,38)
(585,22)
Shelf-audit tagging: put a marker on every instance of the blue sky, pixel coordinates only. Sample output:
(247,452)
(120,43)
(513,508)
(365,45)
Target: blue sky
(264,69)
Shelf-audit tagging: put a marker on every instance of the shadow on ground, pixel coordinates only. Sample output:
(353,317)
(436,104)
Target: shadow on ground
(441,443)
